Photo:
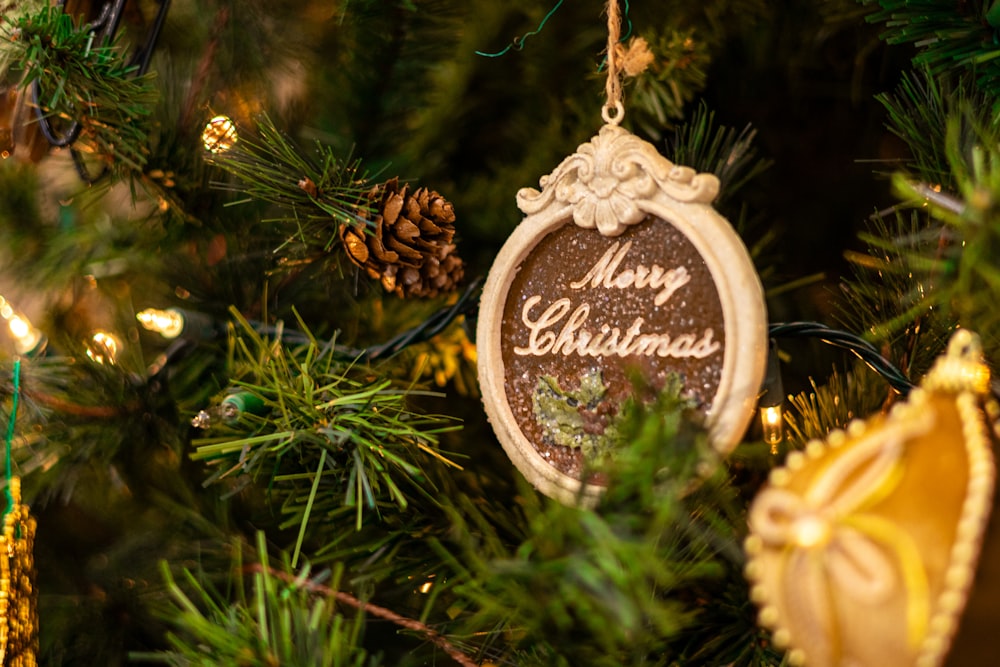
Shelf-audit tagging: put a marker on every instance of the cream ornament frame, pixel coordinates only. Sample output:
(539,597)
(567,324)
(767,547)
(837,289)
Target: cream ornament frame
(613,181)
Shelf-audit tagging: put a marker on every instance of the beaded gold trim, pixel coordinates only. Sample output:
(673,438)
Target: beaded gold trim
(18,595)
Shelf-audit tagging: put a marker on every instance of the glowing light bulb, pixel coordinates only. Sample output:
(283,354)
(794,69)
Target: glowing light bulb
(426,587)
(773,425)
(219,134)
(19,327)
(103,347)
(168,323)
(26,337)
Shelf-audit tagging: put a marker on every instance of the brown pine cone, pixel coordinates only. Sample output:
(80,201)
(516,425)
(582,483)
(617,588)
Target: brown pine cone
(406,242)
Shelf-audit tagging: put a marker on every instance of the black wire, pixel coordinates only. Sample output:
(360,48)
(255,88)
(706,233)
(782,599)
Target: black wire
(432,326)
(467,304)
(58,141)
(846,341)
(81,168)
(144,54)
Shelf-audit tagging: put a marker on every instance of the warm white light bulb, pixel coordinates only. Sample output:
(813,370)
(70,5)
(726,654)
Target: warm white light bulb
(26,337)
(103,347)
(19,327)
(168,323)
(219,134)
(771,420)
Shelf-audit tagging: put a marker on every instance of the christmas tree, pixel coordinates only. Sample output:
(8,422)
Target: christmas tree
(244,246)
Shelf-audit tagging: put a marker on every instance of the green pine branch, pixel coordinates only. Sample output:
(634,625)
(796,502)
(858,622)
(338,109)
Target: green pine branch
(704,145)
(83,82)
(314,193)
(920,111)
(844,397)
(269,620)
(938,266)
(658,96)
(329,439)
(950,36)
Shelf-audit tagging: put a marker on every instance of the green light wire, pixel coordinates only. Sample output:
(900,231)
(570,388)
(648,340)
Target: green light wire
(8,474)
(518,42)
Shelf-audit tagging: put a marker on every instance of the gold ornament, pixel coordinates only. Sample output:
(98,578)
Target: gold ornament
(863,548)
(18,595)
(219,134)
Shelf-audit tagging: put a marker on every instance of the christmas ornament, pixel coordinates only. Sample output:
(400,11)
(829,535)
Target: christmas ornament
(407,243)
(863,548)
(18,596)
(621,265)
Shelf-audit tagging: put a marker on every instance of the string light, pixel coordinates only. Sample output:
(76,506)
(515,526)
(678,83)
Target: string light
(771,398)
(168,323)
(26,337)
(233,406)
(773,425)
(219,134)
(426,587)
(103,347)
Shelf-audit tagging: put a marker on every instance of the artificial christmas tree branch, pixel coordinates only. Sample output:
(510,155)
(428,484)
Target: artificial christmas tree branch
(84,85)
(950,36)
(317,192)
(653,575)
(316,417)
(426,631)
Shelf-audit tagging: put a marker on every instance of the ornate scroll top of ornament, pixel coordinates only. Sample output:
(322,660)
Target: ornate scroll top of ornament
(606,177)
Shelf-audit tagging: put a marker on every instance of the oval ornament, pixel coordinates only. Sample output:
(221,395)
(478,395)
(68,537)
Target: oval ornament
(621,264)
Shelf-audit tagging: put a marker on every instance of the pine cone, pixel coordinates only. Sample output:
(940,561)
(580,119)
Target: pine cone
(407,243)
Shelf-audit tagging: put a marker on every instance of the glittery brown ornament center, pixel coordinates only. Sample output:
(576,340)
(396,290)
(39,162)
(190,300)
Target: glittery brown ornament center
(582,303)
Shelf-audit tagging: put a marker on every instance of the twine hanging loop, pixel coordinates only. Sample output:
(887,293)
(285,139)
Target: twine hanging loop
(623,61)
(614,109)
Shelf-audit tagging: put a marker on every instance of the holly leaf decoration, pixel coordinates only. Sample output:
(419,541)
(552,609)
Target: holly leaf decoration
(576,418)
